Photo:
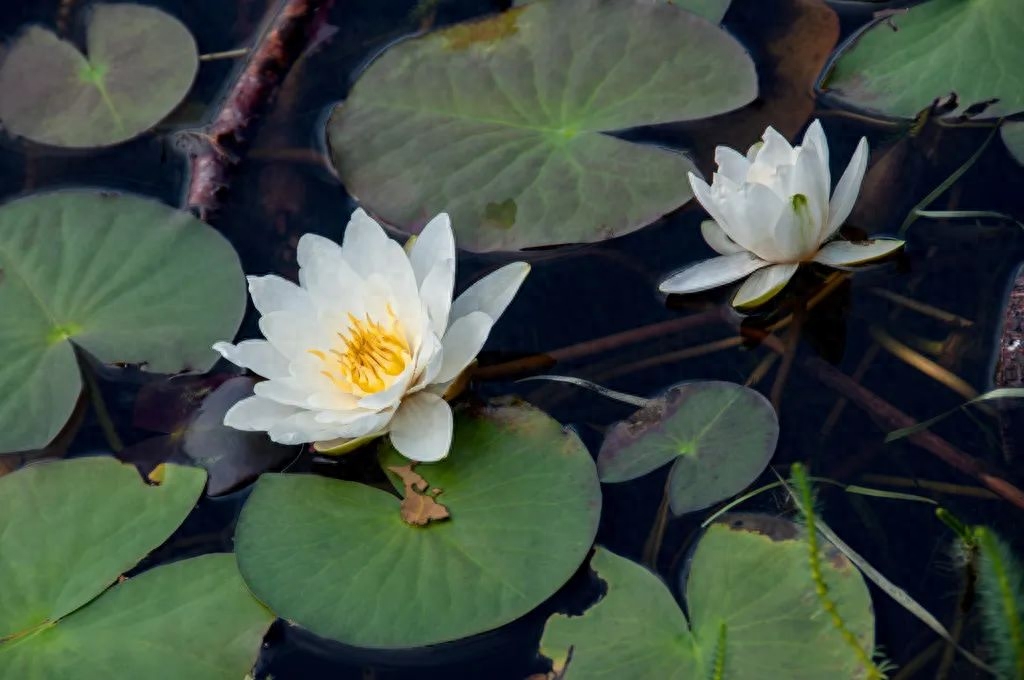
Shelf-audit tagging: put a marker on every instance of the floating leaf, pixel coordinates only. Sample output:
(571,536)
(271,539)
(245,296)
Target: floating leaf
(941,47)
(712,10)
(126,279)
(501,122)
(68,529)
(753,609)
(1013,137)
(720,435)
(139,65)
(191,619)
(336,557)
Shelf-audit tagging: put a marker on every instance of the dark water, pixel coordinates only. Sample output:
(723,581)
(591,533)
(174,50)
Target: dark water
(576,294)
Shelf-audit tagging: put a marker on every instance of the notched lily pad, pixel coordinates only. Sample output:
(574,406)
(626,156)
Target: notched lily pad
(126,279)
(720,435)
(419,506)
(139,64)
(502,122)
(752,604)
(337,558)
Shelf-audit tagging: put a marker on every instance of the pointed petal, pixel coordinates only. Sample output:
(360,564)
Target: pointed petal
(491,294)
(707,198)
(435,243)
(422,428)
(256,414)
(845,195)
(796,232)
(718,239)
(732,164)
(712,273)
(462,343)
(273,294)
(329,280)
(763,285)
(363,244)
(776,150)
(436,292)
(259,356)
(815,137)
(753,213)
(849,253)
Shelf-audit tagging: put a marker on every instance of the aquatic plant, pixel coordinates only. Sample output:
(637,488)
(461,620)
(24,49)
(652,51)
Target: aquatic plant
(1001,591)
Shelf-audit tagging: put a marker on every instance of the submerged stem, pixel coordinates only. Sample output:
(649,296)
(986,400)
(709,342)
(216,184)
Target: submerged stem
(99,406)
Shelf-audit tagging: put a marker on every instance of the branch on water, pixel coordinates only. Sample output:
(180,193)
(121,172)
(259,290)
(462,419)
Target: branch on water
(295,25)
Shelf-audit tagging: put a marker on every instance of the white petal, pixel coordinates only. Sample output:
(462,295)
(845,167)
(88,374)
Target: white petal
(848,253)
(436,293)
(712,273)
(293,333)
(708,200)
(313,246)
(804,177)
(428,362)
(845,195)
(259,356)
(796,232)
(332,283)
(491,294)
(718,239)
(732,164)
(776,150)
(363,244)
(435,243)
(273,294)
(257,414)
(815,137)
(290,391)
(422,428)
(462,343)
(764,285)
(754,212)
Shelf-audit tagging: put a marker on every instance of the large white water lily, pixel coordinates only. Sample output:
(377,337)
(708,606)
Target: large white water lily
(369,342)
(771,211)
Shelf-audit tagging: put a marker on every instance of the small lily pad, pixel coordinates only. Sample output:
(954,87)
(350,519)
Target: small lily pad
(139,64)
(338,558)
(68,529)
(191,619)
(127,279)
(1013,137)
(512,111)
(720,435)
(752,606)
(930,51)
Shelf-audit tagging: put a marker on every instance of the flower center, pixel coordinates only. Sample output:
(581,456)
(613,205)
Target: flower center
(370,357)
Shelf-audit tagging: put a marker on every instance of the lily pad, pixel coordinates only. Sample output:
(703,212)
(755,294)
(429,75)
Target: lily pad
(68,529)
(752,606)
(720,435)
(501,122)
(712,10)
(191,619)
(941,47)
(337,557)
(127,279)
(1013,137)
(139,65)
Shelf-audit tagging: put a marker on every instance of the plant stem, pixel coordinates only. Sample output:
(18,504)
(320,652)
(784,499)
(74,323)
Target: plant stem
(652,547)
(99,407)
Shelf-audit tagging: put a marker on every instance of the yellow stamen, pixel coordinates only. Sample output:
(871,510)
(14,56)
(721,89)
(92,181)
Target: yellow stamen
(369,357)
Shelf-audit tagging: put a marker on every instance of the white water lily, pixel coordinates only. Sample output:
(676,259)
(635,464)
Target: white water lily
(369,341)
(771,212)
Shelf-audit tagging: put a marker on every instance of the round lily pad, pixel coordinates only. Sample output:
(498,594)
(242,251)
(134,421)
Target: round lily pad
(68,529)
(1013,137)
(712,10)
(932,50)
(138,65)
(753,608)
(338,558)
(720,435)
(192,619)
(502,122)
(127,279)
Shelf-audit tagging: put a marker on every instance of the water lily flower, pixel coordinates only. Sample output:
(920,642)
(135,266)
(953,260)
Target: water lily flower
(369,342)
(771,212)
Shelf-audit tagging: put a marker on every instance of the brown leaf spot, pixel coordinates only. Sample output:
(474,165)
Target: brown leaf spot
(486,31)
(418,508)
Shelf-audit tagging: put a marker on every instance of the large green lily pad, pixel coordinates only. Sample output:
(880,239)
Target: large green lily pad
(968,47)
(720,435)
(712,10)
(192,619)
(124,278)
(1013,137)
(139,65)
(337,558)
(752,604)
(501,122)
(68,529)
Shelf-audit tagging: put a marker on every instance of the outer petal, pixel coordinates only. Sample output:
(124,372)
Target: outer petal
(845,195)
(732,164)
(815,137)
(435,243)
(462,343)
(436,290)
(256,414)
(422,428)
(491,294)
(702,191)
(752,214)
(712,273)
(804,177)
(764,285)
(796,231)
(331,281)
(293,333)
(259,356)
(718,239)
(849,253)
(363,244)
(274,294)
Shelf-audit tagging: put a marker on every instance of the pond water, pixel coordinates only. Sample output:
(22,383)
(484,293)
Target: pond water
(578,294)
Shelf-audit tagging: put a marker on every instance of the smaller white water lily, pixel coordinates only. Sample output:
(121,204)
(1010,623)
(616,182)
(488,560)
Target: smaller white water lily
(369,342)
(771,212)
